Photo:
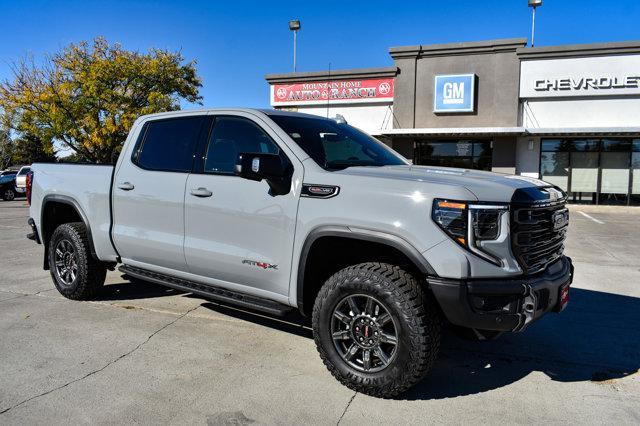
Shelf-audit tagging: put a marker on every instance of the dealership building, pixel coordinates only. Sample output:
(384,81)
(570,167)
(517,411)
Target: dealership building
(567,114)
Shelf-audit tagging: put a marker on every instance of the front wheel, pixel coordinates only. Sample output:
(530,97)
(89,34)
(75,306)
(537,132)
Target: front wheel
(8,194)
(76,274)
(376,329)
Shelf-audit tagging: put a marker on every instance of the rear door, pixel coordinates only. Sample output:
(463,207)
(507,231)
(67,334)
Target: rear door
(148,193)
(236,232)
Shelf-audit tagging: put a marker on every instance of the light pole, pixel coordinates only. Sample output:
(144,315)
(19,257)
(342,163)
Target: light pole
(294,26)
(534,4)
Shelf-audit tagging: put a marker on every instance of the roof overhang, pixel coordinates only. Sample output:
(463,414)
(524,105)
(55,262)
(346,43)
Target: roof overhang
(451,131)
(583,131)
(509,131)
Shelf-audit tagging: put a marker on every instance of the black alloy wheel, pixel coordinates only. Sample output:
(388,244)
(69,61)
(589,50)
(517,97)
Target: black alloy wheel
(364,333)
(66,262)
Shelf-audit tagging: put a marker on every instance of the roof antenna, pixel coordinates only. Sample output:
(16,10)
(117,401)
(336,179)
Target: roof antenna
(328,89)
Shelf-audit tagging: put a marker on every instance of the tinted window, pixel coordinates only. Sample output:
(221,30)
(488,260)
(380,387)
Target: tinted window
(335,146)
(232,136)
(464,153)
(24,171)
(623,145)
(549,145)
(169,145)
(585,145)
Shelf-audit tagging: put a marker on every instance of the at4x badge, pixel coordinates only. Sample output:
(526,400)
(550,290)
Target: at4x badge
(263,265)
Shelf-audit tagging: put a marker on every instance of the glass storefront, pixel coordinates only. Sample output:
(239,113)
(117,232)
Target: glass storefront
(465,153)
(594,170)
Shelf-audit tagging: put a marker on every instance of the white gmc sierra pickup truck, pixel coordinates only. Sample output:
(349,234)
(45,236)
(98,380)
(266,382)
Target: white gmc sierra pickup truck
(275,211)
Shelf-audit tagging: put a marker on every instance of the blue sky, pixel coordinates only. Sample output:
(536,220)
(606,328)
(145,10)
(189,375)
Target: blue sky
(237,42)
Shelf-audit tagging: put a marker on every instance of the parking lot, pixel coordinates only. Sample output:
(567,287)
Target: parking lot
(146,354)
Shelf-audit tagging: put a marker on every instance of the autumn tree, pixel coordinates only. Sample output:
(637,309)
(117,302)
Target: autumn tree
(87,96)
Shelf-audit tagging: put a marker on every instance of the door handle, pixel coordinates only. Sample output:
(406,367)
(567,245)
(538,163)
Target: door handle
(126,186)
(201,192)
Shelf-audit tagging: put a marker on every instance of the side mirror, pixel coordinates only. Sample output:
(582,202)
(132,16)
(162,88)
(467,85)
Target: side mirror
(273,168)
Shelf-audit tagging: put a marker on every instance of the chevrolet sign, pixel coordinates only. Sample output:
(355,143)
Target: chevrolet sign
(617,75)
(586,83)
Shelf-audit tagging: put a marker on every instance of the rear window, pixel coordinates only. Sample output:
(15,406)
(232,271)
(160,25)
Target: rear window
(169,145)
(24,171)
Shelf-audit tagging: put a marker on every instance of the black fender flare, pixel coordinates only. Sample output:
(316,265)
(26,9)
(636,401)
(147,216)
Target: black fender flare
(385,238)
(64,199)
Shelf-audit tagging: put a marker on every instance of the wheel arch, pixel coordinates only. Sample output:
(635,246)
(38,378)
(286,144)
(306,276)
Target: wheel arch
(390,244)
(59,209)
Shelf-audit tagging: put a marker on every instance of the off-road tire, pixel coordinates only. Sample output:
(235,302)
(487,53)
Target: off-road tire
(8,194)
(91,272)
(412,308)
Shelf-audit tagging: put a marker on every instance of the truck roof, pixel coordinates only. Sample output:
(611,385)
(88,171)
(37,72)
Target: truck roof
(200,111)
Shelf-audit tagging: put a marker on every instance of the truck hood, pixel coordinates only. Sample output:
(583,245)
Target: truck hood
(486,186)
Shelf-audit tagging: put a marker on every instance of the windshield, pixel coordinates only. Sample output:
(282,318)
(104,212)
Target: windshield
(336,146)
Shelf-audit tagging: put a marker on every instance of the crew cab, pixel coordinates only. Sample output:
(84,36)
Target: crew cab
(275,211)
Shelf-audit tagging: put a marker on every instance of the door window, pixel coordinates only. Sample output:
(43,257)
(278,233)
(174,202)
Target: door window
(169,145)
(230,137)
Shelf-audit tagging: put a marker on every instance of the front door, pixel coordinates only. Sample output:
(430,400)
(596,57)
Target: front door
(236,232)
(148,193)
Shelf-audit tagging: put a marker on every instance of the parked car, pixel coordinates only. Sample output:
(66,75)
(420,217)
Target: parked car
(21,178)
(8,187)
(274,211)
(8,173)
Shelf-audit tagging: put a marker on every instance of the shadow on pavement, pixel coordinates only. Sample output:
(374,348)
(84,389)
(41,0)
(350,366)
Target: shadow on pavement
(595,339)
(134,289)
(293,322)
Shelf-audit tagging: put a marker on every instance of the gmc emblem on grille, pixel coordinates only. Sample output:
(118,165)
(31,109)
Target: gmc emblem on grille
(560,219)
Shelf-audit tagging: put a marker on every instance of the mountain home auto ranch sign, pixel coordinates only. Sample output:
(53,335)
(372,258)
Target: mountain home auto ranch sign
(337,91)
(570,77)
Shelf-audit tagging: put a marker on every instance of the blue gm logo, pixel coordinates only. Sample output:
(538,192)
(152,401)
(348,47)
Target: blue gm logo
(454,93)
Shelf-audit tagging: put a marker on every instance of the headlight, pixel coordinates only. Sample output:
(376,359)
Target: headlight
(472,225)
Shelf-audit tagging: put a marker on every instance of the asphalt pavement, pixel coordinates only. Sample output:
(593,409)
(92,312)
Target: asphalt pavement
(146,354)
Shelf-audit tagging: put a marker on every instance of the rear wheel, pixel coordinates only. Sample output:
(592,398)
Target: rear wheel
(8,194)
(76,274)
(375,328)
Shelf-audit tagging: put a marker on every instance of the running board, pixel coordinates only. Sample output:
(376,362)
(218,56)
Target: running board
(208,292)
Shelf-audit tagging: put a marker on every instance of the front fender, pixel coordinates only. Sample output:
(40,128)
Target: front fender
(385,238)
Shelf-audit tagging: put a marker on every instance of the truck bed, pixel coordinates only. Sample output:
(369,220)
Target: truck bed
(87,187)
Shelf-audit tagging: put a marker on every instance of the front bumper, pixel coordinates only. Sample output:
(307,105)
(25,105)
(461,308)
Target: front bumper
(508,304)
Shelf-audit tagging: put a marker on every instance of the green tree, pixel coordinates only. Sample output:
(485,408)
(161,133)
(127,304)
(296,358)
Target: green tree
(7,149)
(31,149)
(87,96)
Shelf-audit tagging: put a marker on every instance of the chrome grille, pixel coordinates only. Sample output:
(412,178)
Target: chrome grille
(538,232)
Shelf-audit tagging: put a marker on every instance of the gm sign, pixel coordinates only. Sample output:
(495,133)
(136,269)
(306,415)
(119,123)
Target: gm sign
(454,93)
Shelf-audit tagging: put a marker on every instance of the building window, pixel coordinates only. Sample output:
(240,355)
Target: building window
(593,170)
(464,153)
